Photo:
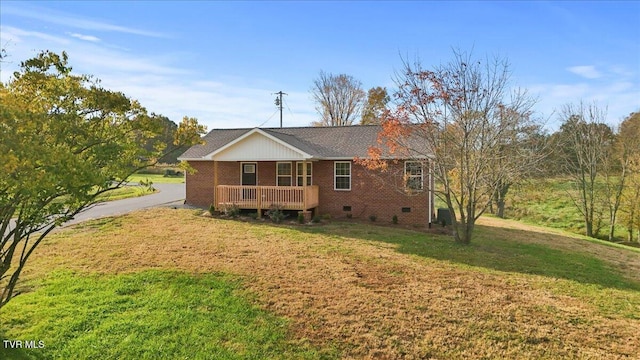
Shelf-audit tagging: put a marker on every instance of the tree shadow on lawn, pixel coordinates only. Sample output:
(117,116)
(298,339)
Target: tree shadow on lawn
(493,248)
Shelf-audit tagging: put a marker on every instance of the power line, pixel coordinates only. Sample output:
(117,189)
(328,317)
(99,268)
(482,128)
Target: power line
(290,112)
(268,118)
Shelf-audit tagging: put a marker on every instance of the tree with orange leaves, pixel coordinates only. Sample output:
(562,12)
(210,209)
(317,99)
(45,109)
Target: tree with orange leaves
(476,129)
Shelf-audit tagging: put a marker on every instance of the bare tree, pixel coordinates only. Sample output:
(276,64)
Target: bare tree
(525,143)
(338,98)
(627,152)
(466,117)
(586,145)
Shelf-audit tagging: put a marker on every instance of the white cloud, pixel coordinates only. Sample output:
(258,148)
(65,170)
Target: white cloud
(619,97)
(586,71)
(163,86)
(621,71)
(12,35)
(60,18)
(215,104)
(84,37)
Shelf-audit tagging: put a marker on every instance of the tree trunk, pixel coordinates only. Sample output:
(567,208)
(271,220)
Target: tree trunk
(589,227)
(500,213)
(612,228)
(468,232)
(501,194)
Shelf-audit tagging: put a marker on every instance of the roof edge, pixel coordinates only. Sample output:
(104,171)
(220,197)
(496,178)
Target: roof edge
(263,133)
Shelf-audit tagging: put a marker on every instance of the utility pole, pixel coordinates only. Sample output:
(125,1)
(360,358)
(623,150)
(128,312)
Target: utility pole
(279,103)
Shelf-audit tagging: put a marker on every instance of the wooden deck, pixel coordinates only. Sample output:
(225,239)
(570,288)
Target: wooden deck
(264,197)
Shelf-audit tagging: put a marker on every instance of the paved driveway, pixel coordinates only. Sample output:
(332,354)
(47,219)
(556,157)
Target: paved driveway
(167,195)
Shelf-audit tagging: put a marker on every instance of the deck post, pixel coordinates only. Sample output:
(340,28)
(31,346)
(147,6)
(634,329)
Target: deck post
(215,185)
(304,185)
(259,201)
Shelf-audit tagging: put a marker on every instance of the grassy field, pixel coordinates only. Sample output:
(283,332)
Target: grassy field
(125,192)
(548,202)
(156,179)
(167,283)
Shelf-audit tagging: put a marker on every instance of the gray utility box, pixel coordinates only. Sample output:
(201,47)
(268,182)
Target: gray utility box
(444,216)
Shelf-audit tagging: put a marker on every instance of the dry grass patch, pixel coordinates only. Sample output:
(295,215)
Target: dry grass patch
(374,292)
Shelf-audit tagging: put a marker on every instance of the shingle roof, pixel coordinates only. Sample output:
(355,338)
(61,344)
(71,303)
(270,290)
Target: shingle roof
(320,142)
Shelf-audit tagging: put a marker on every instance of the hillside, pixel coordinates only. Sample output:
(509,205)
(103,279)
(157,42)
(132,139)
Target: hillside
(551,202)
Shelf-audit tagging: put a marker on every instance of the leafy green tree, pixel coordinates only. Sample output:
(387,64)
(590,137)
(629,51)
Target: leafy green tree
(165,140)
(374,107)
(64,140)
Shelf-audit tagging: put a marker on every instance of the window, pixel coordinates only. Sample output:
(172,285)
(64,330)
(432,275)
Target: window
(413,175)
(342,175)
(299,174)
(249,168)
(284,174)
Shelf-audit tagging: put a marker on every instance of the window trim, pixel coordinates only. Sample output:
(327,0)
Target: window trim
(310,176)
(335,175)
(278,176)
(408,176)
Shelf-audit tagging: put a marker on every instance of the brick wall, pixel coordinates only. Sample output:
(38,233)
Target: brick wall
(228,173)
(200,184)
(372,193)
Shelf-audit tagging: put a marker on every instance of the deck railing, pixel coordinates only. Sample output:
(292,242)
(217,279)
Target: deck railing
(264,197)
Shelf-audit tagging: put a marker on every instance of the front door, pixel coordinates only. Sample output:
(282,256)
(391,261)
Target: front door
(249,178)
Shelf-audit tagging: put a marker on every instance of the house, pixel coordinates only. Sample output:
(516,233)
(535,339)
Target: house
(309,169)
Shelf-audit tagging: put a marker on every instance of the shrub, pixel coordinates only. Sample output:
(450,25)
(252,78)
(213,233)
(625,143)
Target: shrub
(300,218)
(231,210)
(372,218)
(172,173)
(394,219)
(276,214)
(212,209)
(316,219)
(253,216)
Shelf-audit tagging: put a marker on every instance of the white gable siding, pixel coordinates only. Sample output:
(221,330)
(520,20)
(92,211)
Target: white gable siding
(257,147)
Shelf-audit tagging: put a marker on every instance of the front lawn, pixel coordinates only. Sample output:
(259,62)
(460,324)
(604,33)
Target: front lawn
(145,315)
(331,290)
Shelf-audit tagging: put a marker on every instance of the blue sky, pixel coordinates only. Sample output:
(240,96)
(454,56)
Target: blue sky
(222,62)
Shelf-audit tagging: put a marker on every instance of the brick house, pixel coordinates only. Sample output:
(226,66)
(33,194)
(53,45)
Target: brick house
(261,167)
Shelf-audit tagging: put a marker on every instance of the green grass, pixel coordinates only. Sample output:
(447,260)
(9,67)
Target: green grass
(146,315)
(506,250)
(548,202)
(493,252)
(125,192)
(548,281)
(156,179)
